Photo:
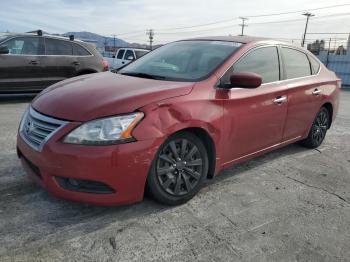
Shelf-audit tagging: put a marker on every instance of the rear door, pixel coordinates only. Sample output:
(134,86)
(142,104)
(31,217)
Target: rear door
(22,68)
(254,118)
(303,92)
(59,60)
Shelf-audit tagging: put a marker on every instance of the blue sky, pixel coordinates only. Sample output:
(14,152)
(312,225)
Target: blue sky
(129,19)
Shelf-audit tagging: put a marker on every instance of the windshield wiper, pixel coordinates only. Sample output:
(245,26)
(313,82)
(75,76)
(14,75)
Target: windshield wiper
(143,75)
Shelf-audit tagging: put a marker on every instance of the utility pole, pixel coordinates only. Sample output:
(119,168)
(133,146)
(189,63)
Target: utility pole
(105,43)
(150,34)
(308,15)
(243,25)
(329,47)
(114,47)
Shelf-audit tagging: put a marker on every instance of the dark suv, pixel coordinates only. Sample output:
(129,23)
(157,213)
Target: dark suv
(30,63)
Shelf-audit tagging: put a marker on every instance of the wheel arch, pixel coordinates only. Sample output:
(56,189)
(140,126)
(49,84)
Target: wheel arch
(329,107)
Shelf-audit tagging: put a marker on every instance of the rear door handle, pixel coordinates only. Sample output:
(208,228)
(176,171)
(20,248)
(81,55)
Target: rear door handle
(76,63)
(34,62)
(316,92)
(280,100)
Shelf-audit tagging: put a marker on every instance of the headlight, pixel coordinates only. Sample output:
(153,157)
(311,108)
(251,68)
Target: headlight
(104,131)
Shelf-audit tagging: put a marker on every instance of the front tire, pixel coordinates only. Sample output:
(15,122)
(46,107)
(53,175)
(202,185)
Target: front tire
(178,170)
(318,129)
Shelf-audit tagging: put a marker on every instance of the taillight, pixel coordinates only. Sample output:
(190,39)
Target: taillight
(339,83)
(105,65)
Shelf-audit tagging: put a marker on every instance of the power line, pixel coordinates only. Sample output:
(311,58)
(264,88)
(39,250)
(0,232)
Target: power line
(254,16)
(257,23)
(232,19)
(298,11)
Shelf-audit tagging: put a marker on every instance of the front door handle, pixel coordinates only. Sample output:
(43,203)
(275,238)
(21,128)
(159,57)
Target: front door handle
(280,100)
(316,92)
(34,62)
(76,63)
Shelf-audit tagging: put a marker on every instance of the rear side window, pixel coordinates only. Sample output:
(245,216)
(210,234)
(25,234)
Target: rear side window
(120,53)
(140,53)
(315,65)
(79,50)
(58,47)
(129,55)
(263,61)
(25,46)
(296,63)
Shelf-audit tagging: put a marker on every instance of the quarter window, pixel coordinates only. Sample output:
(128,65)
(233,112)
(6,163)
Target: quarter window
(25,46)
(263,61)
(79,50)
(315,65)
(296,63)
(140,53)
(120,53)
(58,47)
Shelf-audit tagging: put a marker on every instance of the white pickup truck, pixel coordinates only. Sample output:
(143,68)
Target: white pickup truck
(124,56)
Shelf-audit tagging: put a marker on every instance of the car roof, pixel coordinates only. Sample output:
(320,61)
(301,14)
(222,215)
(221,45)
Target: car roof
(136,49)
(246,40)
(239,39)
(44,35)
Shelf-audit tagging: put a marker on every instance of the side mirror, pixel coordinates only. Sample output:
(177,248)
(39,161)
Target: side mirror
(245,80)
(130,58)
(4,50)
(113,56)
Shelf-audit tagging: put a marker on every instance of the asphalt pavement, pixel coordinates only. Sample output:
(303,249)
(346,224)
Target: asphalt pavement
(290,205)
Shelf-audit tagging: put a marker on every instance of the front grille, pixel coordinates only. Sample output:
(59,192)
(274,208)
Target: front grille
(36,129)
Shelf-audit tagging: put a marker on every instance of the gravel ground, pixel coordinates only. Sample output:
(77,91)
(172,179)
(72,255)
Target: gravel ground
(290,205)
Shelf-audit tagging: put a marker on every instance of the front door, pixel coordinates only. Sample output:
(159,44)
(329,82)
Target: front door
(22,68)
(254,118)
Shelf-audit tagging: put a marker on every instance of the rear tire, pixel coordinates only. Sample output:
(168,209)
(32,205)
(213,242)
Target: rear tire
(178,169)
(318,129)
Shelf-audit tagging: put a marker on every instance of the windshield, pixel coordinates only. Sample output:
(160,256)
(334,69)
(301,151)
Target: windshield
(182,61)
(2,37)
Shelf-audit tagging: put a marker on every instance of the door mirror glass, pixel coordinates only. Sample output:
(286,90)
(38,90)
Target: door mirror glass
(245,80)
(4,50)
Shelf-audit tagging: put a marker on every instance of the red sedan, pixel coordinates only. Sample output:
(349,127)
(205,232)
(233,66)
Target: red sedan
(173,118)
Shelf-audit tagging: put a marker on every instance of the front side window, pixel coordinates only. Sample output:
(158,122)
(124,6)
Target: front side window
(24,46)
(58,47)
(296,63)
(263,61)
(183,60)
(129,55)
(120,54)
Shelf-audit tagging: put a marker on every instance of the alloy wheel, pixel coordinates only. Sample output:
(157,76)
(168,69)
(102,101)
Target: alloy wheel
(320,126)
(179,167)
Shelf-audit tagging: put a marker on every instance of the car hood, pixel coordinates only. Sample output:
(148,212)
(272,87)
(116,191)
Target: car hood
(104,94)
